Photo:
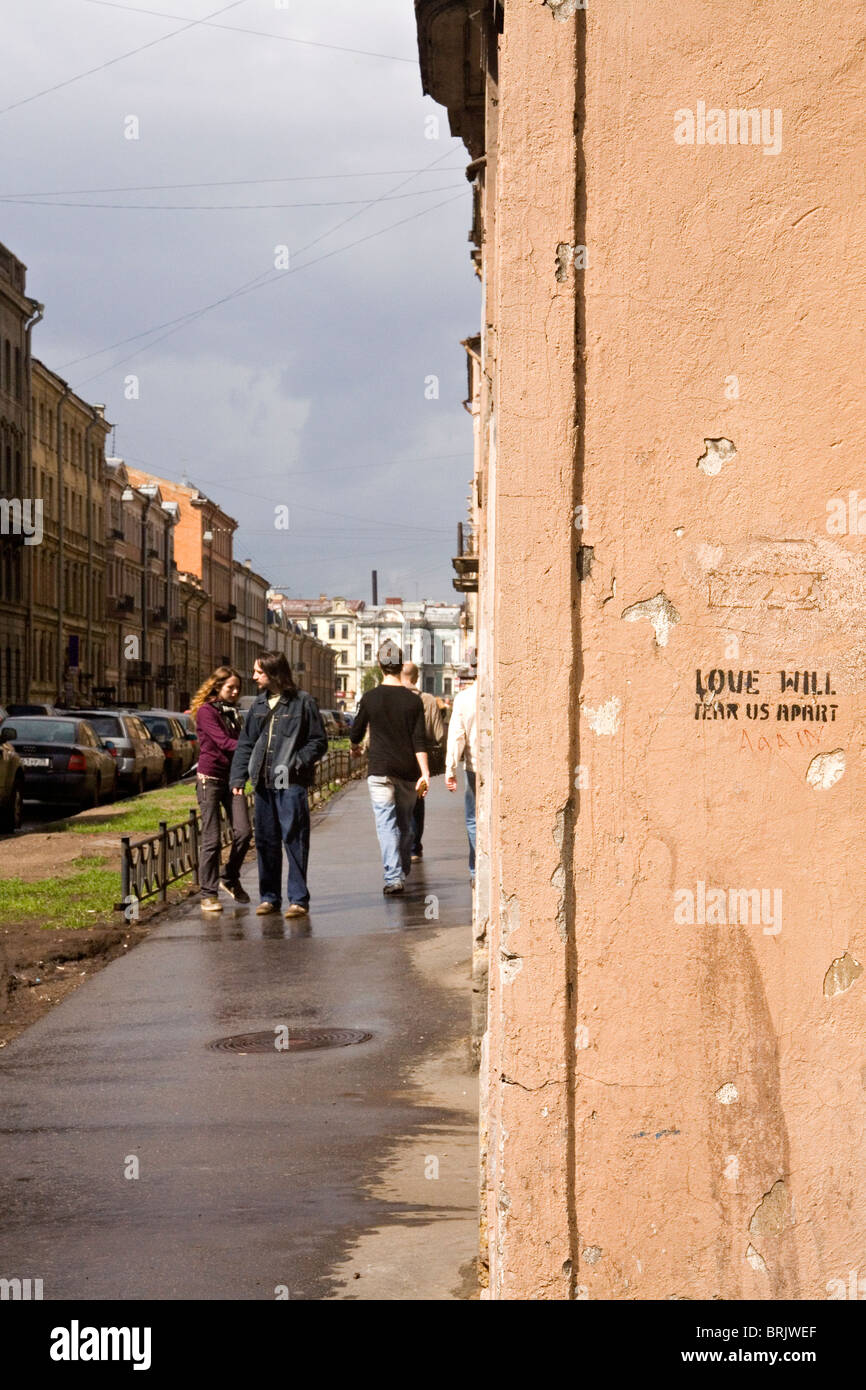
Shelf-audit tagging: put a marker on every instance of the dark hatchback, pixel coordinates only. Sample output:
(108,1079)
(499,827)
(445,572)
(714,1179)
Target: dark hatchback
(62,759)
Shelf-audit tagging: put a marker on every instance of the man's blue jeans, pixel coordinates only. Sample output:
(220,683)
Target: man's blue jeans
(282,817)
(469,805)
(393,801)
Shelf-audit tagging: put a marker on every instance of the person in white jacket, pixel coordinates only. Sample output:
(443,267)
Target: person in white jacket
(462,744)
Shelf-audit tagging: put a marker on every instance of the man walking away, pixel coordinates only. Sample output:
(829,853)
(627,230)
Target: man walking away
(283,738)
(434,728)
(398,749)
(462,743)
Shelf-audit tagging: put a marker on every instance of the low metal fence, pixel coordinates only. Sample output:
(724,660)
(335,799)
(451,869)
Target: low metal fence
(148,867)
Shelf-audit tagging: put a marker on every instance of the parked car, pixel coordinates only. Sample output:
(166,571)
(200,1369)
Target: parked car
(32,709)
(188,733)
(170,734)
(336,719)
(62,757)
(11,787)
(140,760)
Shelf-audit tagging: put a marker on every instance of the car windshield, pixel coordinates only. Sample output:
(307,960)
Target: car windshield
(106,725)
(42,730)
(159,728)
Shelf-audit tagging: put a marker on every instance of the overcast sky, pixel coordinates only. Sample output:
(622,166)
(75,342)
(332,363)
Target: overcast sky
(309,390)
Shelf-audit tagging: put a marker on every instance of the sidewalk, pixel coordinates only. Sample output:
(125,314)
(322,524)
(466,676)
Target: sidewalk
(301,1170)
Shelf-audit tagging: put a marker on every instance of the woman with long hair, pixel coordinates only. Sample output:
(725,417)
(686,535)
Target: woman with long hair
(218,725)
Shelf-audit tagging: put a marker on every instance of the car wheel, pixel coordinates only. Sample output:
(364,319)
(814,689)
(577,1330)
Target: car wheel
(142,784)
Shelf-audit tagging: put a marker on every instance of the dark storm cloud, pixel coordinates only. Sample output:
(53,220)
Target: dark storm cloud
(310,391)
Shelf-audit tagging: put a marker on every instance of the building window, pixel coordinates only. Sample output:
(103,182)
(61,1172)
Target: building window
(368,651)
(446,686)
(345,632)
(344,658)
(447,654)
(332,631)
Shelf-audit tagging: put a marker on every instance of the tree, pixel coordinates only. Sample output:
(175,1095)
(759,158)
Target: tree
(371,678)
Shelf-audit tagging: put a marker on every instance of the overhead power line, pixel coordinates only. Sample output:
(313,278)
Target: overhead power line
(223,207)
(110,62)
(266,276)
(260,284)
(218,183)
(261,33)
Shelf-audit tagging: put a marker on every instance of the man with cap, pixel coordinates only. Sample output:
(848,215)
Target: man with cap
(462,744)
(398,751)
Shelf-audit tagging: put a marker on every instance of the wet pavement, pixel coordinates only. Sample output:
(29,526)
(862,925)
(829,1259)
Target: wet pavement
(257,1172)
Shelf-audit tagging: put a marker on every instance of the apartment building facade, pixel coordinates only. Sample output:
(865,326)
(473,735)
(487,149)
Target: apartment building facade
(67,569)
(20,507)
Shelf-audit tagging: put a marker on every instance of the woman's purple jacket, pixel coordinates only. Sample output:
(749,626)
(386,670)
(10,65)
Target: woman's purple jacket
(216,744)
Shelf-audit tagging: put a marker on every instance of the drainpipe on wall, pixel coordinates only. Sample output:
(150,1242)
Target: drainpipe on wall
(27,568)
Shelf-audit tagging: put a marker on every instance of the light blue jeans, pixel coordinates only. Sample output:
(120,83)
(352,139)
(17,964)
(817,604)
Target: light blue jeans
(393,801)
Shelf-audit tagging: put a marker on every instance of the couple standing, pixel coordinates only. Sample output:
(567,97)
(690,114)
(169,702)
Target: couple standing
(278,747)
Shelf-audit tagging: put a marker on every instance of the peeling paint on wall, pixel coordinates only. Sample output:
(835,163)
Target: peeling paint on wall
(773,1213)
(727,1094)
(659,611)
(564,9)
(564,257)
(592,1254)
(509,966)
(604,719)
(716,453)
(825,769)
(842,974)
(755,1260)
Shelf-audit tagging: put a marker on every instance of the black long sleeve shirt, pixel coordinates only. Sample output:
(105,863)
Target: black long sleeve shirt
(395,718)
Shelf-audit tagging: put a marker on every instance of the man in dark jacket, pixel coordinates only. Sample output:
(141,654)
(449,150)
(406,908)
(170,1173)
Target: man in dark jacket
(283,738)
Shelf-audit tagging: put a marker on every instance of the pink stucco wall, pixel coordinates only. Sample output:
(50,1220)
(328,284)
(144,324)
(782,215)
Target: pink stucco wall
(676,1108)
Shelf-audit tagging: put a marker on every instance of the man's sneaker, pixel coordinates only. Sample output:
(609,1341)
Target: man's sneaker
(417,856)
(391,889)
(211,905)
(235,891)
(296,910)
(264,908)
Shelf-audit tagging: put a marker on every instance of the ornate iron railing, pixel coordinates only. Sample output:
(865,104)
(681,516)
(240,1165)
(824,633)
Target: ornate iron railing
(148,867)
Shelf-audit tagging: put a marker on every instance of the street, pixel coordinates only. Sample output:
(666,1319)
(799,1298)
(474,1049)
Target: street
(340,1172)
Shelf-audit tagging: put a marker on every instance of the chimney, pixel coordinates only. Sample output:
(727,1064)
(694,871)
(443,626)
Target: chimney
(375,588)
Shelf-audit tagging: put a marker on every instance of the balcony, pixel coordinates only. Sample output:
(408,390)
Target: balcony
(465,562)
(121,603)
(226,615)
(152,553)
(158,616)
(179,626)
(165,674)
(116,533)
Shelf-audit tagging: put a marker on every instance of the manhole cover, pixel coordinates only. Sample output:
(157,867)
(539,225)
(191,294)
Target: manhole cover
(290,1040)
